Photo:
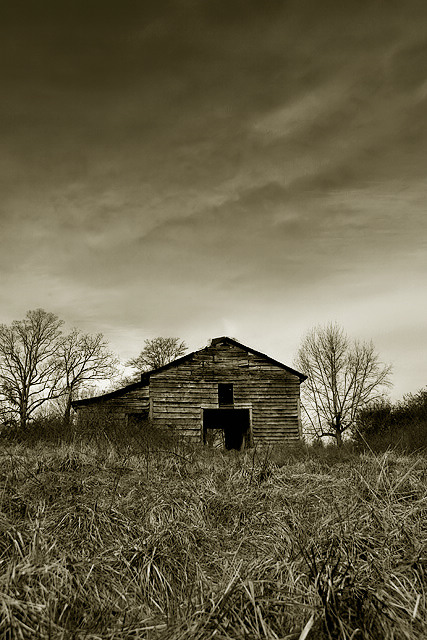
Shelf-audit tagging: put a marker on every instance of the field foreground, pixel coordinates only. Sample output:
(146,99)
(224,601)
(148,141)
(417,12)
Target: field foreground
(108,542)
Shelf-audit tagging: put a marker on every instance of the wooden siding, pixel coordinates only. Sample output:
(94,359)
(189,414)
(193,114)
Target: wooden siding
(120,406)
(179,394)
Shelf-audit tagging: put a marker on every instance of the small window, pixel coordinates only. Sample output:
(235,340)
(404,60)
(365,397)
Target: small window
(225,394)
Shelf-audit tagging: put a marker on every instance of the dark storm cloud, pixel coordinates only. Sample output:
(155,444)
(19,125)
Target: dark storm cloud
(111,88)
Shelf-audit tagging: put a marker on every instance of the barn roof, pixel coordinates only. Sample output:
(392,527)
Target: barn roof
(145,377)
(111,394)
(234,342)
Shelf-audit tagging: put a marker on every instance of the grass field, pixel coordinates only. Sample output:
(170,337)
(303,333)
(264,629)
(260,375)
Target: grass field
(106,541)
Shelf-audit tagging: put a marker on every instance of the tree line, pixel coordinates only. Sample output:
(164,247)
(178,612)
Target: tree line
(39,364)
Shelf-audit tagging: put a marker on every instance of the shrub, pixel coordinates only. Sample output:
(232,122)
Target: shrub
(47,427)
(402,426)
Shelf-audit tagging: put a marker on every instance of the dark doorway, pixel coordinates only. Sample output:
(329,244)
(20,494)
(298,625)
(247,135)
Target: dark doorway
(137,421)
(233,423)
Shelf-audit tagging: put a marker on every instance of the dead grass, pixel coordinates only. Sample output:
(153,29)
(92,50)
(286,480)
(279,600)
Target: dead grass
(101,542)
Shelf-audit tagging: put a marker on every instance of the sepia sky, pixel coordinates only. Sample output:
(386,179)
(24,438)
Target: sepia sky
(200,168)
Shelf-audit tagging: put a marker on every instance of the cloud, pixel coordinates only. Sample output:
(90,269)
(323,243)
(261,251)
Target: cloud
(186,167)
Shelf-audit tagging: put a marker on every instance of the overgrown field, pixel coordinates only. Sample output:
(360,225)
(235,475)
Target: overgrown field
(105,541)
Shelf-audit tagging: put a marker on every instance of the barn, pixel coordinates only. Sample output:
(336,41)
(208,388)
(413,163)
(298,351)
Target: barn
(224,391)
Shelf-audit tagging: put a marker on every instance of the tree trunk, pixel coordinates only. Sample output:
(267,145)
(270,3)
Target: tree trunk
(338,430)
(23,417)
(67,412)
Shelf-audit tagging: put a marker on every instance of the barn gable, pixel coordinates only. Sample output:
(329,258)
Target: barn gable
(224,388)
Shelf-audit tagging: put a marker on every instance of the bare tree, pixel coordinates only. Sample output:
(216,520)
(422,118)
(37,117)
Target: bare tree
(83,358)
(343,376)
(29,370)
(158,352)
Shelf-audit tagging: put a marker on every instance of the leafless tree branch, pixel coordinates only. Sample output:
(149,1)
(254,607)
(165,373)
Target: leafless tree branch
(158,352)
(342,378)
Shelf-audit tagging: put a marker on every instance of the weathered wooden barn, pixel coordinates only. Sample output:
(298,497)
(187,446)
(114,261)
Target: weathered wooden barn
(225,389)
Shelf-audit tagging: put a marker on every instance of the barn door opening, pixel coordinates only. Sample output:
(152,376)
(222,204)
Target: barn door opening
(228,426)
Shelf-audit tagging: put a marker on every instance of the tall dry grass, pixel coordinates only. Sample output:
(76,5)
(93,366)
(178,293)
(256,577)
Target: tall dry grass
(106,540)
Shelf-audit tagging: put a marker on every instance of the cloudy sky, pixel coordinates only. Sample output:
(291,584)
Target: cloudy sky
(199,168)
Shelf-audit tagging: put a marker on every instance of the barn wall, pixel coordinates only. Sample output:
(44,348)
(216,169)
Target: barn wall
(117,408)
(178,394)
